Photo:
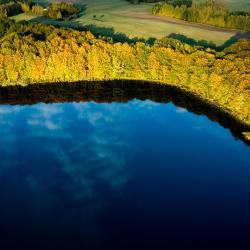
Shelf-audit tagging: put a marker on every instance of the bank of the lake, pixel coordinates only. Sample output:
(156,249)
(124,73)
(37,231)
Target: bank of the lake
(35,53)
(122,92)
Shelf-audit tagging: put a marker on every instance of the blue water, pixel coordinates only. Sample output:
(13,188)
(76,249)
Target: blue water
(140,175)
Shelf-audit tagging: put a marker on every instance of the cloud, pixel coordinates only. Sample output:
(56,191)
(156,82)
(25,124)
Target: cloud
(181,110)
(87,111)
(6,114)
(8,109)
(46,116)
(89,159)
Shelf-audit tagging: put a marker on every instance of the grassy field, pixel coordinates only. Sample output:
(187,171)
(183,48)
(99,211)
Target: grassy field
(135,21)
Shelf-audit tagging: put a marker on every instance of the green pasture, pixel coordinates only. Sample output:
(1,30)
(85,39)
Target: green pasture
(119,17)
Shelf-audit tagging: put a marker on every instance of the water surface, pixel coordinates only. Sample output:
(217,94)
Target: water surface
(134,175)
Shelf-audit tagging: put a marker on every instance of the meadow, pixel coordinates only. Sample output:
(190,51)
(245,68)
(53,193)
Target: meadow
(121,19)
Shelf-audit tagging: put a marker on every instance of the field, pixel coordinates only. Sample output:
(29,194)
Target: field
(121,19)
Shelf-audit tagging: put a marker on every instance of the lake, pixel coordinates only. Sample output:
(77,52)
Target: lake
(114,167)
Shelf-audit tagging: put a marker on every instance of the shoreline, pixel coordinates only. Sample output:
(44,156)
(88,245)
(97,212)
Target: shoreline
(124,91)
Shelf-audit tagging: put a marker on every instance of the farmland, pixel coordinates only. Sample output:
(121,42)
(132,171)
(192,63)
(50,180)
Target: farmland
(119,17)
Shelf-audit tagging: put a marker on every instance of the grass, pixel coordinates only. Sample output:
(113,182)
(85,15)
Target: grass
(135,21)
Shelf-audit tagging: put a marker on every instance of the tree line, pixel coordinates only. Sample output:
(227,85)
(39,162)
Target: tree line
(209,12)
(63,10)
(147,1)
(9,8)
(35,53)
(174,2)
(58,11)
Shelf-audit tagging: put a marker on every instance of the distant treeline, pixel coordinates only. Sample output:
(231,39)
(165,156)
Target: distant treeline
(9,8)
(147,1)
(209,12)
(34,53)
(58,11)
(174,2)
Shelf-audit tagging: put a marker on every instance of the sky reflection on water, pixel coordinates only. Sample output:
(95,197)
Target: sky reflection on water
(98,173)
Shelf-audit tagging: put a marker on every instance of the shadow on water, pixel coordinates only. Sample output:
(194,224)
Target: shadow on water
(119,91)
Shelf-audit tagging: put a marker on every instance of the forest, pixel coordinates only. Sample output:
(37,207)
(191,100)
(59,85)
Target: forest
(57,11)
(36,53)
(210,12)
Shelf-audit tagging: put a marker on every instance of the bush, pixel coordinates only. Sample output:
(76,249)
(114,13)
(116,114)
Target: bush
(3,13)
(37,9)
(61,11)
(25,7)
(10,9)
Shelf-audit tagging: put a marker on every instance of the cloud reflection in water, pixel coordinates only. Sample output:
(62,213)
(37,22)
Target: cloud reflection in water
(74,147)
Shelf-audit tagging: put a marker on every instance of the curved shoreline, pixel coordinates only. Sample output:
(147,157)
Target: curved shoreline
(123,91)
(220,78)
